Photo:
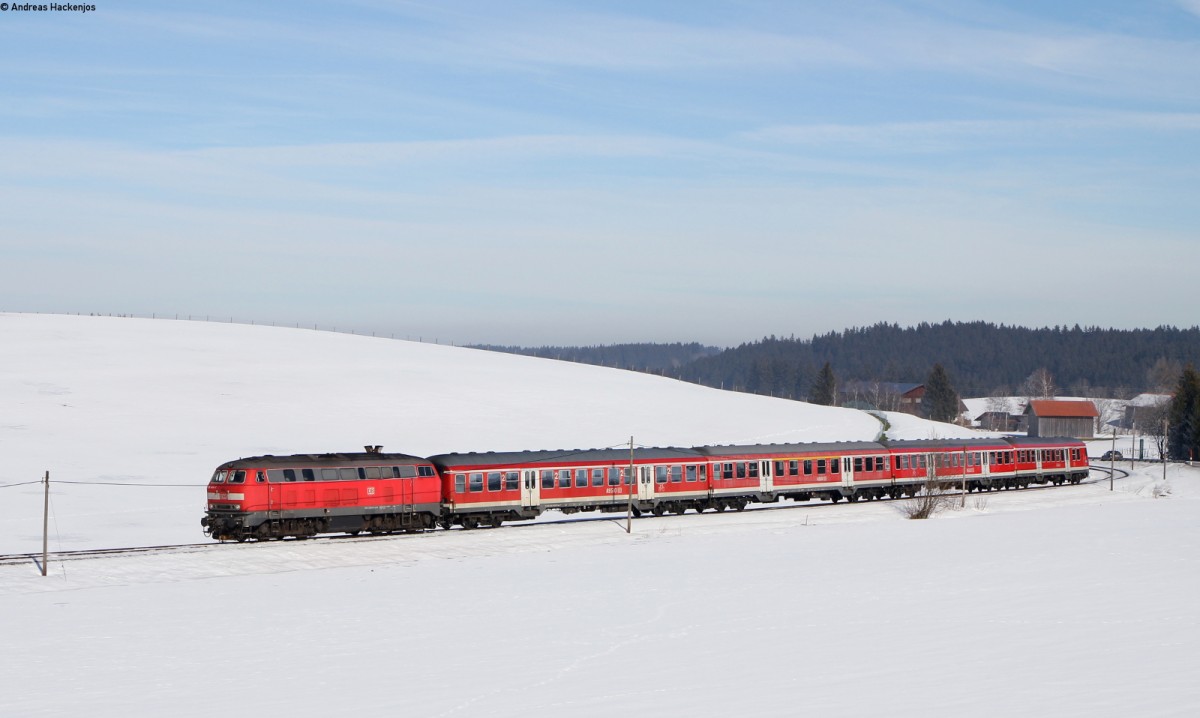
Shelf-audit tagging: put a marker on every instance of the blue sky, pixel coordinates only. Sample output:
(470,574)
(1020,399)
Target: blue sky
(558,172)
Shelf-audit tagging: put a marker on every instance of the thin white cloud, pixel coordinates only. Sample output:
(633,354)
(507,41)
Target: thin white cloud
(953,135)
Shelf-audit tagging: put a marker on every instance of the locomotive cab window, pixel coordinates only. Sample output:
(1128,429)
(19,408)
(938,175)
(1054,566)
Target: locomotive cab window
(239,477)
(219,477)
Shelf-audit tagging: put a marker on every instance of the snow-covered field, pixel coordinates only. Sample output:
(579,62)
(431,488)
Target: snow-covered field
(1074,601)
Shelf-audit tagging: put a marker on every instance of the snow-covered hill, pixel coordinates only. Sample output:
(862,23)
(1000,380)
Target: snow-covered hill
(1073,601)
(116,400)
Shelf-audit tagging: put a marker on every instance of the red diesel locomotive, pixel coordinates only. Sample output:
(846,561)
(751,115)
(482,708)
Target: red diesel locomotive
(307,494)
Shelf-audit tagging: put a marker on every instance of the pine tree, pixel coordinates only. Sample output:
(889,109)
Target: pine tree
(940,400)
(1183,438)
(824,387)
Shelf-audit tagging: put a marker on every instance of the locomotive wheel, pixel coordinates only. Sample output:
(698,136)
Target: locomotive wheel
(740,505)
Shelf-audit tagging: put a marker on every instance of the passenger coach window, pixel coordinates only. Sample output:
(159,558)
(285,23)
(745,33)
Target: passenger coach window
(808,467)
(727,471)
(581,478)
(820,466)
(547,479)
(677,474)
(512,480)
(460,483)
(793,468)
(858,465)
(614,476)
(495,481)
(835,466)
(564,478)
(476,482)
(597,477)
(660,474)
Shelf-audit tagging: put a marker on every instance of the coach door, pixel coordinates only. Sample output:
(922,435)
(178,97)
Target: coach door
(847,473)
(529,488)
(645,490)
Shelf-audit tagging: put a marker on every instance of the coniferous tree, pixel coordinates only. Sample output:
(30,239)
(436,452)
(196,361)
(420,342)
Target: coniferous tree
(824,388)
(1183,437)
(940,400)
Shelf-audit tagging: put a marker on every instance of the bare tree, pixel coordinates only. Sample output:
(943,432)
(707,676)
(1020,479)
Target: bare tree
(1152,424)
(934,496)
(1108,411)
(1039,385)
(1164,375)
(883,396)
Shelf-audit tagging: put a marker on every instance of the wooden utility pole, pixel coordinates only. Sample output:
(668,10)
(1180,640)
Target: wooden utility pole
(46,523)
(1112,457)
(963,492)
(632,479)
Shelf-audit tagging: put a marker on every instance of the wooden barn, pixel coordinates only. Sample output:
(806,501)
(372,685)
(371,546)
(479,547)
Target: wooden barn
(1051,417)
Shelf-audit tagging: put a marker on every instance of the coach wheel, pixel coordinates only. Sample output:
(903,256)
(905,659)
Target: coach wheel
(852,498)
(740,505)
(658,510)
(496,521)
(680,509)
(471,522)
(720,507)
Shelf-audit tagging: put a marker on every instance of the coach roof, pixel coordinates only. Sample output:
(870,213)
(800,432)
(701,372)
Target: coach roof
(562,457)
(798,448)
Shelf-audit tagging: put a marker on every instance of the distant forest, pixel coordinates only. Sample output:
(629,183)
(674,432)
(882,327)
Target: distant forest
(982,359)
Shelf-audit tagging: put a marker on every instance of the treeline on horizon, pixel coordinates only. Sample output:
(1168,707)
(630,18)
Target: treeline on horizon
(982,359)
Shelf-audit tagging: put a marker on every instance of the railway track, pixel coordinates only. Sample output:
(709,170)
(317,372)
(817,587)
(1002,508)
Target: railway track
(87,554)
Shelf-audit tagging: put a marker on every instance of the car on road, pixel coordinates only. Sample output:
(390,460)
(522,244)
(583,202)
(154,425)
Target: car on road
(1112,456)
